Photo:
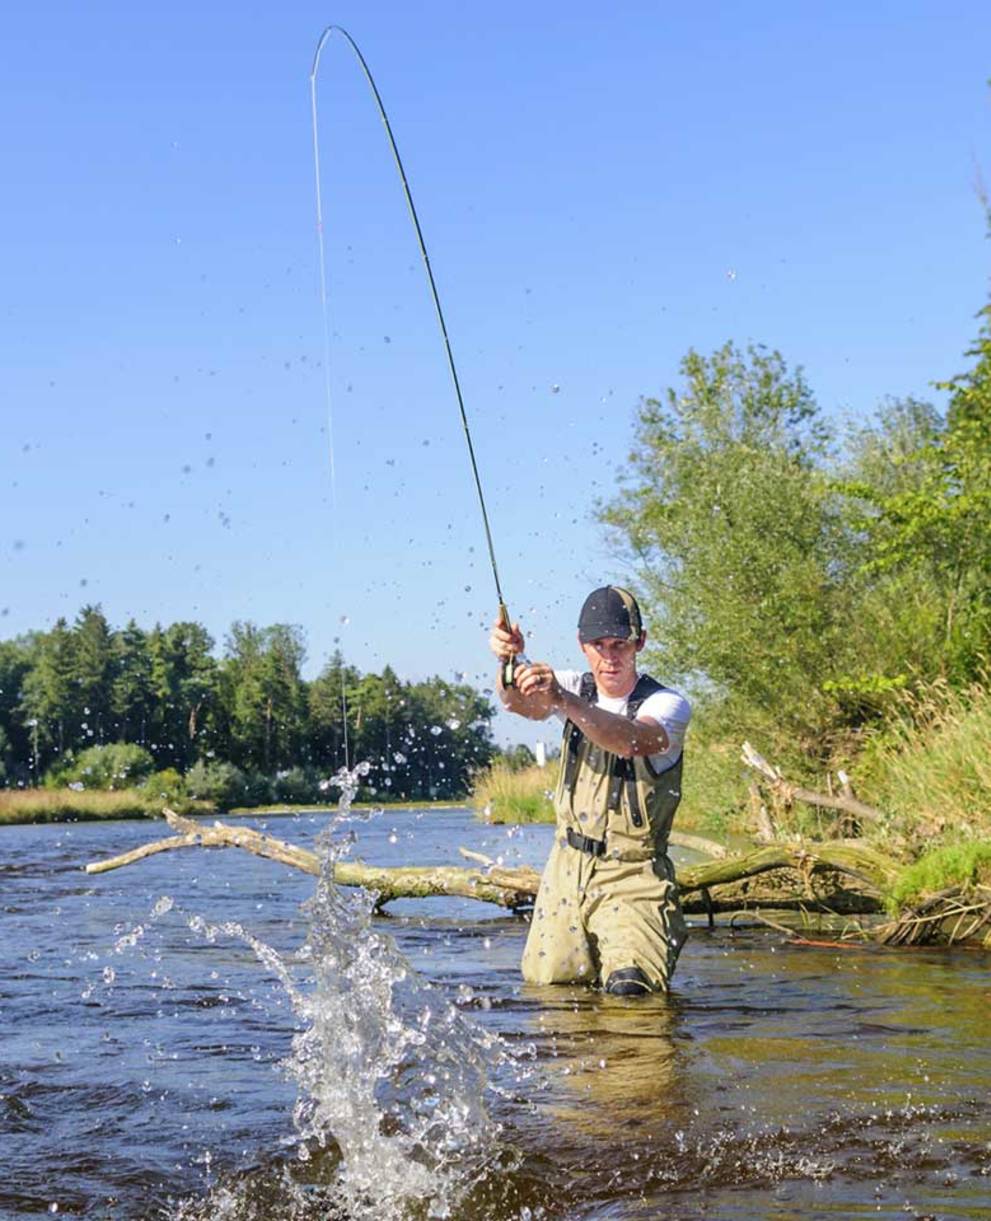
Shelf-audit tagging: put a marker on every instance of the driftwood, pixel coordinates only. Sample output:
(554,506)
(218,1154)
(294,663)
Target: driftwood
(510,888)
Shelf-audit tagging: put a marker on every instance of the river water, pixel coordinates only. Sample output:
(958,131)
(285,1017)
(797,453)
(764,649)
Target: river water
(172,1047)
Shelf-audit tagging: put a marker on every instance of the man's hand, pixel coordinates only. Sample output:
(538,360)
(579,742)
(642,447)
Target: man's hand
(537,683)
(506,642)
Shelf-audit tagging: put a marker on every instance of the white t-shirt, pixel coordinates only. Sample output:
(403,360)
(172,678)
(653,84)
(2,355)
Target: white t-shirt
(667,708)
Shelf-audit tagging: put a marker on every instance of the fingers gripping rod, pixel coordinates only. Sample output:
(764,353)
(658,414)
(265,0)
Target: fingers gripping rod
(314,71)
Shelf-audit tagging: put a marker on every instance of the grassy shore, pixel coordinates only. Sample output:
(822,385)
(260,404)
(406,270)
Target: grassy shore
(318,807)
(502,795)
(91,805)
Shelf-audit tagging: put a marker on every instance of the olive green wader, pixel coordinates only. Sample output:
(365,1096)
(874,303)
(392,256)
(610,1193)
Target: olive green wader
(608,900)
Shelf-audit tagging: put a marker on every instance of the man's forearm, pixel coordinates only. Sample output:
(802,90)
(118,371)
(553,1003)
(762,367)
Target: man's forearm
(522,705)
(617,734)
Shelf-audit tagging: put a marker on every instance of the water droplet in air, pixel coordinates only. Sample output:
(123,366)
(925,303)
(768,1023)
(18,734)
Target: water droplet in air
(555,389)
(436,730)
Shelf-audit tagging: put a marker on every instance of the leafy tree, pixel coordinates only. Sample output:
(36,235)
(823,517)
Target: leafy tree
(52,710)
(132,692)
(217,781)
(516,758)
(184,684)
(16,661)
(267,694)
(934,528)
(326,698)
(726,513)
(93,672)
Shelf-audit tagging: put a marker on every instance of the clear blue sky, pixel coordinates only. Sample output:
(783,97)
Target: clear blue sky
(601,189)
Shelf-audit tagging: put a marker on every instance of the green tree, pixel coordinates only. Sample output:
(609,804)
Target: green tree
(118,765)
(184,683)
(726,514)
(932,530)
(326,698)
(267,694)
(51,706)
(132,694)
(16,661)
(93,658)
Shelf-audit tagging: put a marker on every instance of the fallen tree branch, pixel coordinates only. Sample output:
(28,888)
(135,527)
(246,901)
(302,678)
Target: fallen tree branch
(788,793)
(516,887)
(508,888)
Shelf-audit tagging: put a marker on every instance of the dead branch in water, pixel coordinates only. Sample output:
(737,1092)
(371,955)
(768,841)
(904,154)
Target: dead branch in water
(516,887)
(787,793)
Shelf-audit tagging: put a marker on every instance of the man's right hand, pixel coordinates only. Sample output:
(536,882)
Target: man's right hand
(506,642)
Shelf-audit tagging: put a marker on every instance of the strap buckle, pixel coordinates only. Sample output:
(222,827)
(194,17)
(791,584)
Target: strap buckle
(593,847)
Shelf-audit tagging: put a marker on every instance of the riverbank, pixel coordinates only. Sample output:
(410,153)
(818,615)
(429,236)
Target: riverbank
(27,806)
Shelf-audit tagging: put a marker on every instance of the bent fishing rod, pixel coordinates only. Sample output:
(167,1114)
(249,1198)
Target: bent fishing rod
(504,619)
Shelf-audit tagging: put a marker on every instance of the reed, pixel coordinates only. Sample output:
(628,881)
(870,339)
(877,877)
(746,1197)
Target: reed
(931,768)
(69,805)
(503,795)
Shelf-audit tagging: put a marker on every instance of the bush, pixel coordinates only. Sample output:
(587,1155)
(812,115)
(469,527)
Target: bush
(298,786)
(259,790)
(166,785)
(121,765)
(223,784)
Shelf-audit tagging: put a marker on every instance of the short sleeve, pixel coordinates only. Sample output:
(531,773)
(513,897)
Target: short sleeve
(673,711)
(571,681)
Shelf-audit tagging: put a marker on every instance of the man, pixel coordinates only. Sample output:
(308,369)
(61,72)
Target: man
(607,911)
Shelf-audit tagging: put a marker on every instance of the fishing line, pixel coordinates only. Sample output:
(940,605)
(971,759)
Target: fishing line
(336,29)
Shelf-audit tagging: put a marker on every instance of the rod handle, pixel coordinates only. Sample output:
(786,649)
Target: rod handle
(511,664)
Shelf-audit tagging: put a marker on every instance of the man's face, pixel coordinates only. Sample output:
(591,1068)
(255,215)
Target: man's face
(613,662)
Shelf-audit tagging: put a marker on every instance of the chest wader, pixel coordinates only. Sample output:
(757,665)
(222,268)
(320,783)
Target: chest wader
(608,909)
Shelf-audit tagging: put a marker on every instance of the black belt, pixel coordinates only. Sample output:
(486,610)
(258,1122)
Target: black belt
(594,847)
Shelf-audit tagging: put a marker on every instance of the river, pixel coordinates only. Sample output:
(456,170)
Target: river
(153,1062)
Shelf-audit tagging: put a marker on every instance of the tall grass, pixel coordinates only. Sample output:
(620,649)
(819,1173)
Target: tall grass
(931,768)
(68,805)
(502,795)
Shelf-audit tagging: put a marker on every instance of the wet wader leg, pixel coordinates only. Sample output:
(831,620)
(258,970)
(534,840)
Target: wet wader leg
(634,916)
(557,949)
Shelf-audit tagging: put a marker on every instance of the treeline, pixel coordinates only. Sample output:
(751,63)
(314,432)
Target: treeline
(242,726)
(806,582)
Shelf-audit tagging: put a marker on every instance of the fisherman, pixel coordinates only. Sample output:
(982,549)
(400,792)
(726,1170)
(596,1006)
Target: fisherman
(608,911)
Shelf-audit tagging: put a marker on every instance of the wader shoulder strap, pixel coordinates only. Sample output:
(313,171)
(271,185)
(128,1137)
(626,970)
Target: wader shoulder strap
(573,735)
(623,770)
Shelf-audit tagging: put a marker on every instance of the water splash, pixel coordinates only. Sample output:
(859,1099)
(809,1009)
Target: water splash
(390,1072)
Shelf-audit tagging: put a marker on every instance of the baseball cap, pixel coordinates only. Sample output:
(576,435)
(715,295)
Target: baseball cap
(609,611)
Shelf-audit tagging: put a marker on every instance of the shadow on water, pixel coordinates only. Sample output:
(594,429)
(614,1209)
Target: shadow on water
(151,1074)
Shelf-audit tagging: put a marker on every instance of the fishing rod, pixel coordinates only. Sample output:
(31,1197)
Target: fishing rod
(504,619)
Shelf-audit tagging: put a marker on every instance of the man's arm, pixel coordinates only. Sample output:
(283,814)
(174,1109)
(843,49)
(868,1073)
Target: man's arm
(610,730)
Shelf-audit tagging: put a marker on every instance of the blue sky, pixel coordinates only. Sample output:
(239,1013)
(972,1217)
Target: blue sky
(600,191)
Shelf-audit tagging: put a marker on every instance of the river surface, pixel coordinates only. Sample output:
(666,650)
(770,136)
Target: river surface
(150,1058)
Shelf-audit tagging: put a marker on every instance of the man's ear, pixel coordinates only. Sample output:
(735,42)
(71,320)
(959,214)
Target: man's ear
(642,641)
